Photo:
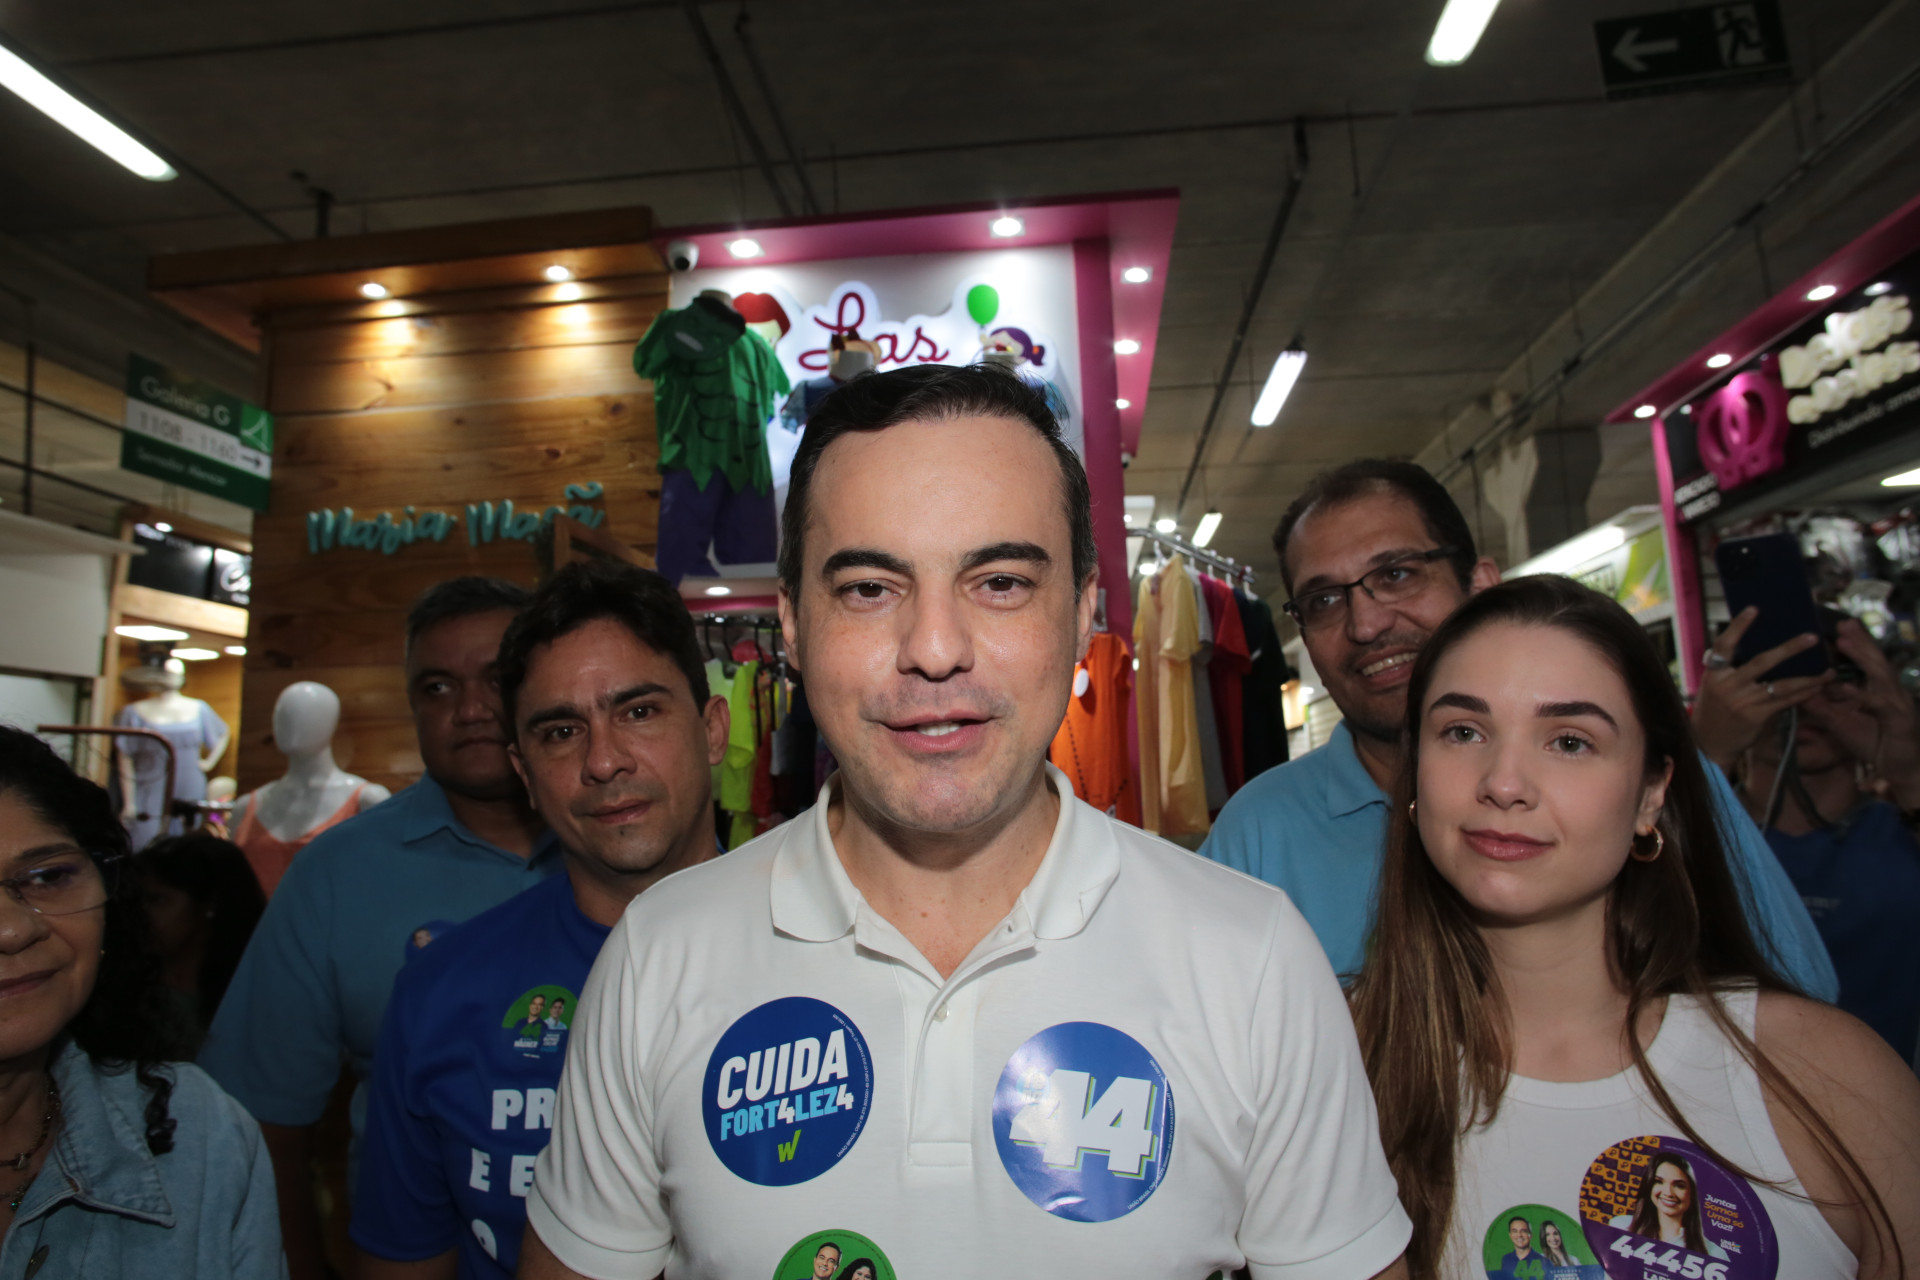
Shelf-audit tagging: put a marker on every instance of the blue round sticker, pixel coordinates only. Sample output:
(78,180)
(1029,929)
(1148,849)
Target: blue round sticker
(787,1092)
(1083,1117)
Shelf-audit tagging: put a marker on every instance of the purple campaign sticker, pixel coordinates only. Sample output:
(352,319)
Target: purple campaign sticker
(1658,1208)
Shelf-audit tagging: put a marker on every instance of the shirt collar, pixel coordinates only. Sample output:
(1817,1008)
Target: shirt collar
(813,898)
(429,812)
(101,1150)
(1349,787)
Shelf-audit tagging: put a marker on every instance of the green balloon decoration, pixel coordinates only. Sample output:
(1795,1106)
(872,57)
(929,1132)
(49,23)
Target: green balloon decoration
(983,304)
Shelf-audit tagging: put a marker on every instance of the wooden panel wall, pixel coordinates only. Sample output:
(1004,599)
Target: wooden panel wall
(434,403)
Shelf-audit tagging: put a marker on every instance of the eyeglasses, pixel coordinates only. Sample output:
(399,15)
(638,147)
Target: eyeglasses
(64,885)
(1390,583)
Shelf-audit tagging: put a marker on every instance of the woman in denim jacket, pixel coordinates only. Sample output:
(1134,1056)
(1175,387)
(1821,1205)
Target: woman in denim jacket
(113,1161)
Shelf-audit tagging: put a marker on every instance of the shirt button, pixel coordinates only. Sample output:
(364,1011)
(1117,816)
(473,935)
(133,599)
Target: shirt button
(940,1014)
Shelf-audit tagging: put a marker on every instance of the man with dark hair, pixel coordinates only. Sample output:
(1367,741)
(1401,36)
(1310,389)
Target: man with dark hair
(1375,556)
(951,987)
(614,738)
(313,985)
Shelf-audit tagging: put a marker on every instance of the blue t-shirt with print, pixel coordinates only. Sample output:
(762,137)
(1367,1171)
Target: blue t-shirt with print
(464,1082)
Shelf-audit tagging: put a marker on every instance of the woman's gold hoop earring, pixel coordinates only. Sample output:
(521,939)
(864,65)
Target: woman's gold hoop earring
(1659,844)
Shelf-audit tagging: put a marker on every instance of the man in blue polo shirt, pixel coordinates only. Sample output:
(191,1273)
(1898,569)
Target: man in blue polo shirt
(615,735)
(313,984)
(1376,555)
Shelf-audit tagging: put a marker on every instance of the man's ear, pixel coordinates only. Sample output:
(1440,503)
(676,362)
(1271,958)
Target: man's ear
(789,609)
(719,721)
(1084,609)
(1485,574)
(520,771)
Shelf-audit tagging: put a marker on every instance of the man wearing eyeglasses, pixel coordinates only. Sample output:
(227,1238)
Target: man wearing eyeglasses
(1376,555)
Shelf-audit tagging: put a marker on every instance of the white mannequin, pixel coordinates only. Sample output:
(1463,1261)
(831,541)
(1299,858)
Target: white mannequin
(313,788)
(166,705)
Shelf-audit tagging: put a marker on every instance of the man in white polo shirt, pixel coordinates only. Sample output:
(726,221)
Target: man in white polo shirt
(951,1005)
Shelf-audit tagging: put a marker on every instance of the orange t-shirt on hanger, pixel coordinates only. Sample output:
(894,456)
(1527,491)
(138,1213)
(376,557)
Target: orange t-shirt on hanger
(1091,746)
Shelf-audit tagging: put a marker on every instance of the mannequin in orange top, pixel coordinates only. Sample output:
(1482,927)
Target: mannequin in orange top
(275,822)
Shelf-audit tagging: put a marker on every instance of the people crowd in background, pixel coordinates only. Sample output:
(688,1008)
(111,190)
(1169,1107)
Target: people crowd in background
(202,902)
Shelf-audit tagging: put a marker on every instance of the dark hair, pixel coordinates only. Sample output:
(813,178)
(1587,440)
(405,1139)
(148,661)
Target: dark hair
(1521,1219)
(1646,1218)
(1434,1027)
(1368,476)
(851,1269)
(931,392)
(640,600)
(461,598)
(216,875)
(123,1023)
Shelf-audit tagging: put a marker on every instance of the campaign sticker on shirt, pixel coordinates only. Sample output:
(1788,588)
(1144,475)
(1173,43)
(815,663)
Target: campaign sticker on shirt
(1533,1242)
(537,1022)
(834,1255)
(787,1091)
(1656,1208)
(1083,1118)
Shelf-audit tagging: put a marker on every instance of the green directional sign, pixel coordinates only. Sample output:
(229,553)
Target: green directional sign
(188,433)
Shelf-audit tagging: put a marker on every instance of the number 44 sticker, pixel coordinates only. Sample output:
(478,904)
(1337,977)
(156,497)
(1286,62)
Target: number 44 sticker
(1066,1121)
(1689,1266)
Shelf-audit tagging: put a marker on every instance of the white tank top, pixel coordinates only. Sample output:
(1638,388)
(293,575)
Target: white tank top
(1598,1169)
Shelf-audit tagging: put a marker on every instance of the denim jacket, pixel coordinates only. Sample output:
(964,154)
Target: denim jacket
(103,1205)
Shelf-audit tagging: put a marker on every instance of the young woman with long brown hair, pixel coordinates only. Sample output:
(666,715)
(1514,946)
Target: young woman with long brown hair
(1562,996)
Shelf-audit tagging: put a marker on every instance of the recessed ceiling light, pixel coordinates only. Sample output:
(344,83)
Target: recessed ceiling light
(373,289)
(1719,360)
(1820,293)
(719,591)
(194,655)
(1645,411)
(1006,226)
(1686,408)
(1166,524)
(1123,403)
(745,247)
(570,292)
(163,526)
(1137,275)
(557,273)
(236,651)
(1125,347)
(1879,287)
(143,631)
(79,119)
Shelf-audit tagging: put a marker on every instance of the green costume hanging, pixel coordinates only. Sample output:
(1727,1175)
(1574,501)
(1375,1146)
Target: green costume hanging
(715,384)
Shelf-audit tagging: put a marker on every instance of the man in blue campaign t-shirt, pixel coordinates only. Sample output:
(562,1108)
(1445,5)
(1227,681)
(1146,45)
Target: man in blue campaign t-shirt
(615,736)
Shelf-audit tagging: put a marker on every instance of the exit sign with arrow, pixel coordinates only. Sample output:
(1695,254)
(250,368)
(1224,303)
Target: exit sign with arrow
(1708,46)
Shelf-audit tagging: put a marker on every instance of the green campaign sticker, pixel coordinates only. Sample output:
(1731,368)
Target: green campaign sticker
(834,1255)
(1533,1242)
(537,1022)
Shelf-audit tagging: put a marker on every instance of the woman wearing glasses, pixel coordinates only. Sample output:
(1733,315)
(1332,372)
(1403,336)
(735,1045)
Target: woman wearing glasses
(113,1161)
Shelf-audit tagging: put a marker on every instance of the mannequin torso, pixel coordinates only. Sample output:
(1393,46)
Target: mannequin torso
(274,822)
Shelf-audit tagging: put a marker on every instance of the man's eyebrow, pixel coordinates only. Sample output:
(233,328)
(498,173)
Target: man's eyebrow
(1379,558)
(558,711)
(1563,710)
(1023,552)
(1464,701)
(865,558)
(645,689)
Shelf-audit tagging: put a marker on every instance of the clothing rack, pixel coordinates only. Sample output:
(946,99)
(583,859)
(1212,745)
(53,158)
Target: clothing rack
(1225,566)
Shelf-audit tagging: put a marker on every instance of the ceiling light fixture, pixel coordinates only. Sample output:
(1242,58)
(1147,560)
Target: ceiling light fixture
(1125,347)
(1574,552)
(373,289)
(194,655)
(143,631)
(557,273)
(1123,403)
(1878,287)
(1645,411)
(163,526)
(1137,275)
(1204,531)
(80,119)
(1905,480)
(1166,524)
(1458,31)
(236,651)
(1719,360)
(745,247)
(719,591)
(1006,227)
(1287,367)
(1821,292)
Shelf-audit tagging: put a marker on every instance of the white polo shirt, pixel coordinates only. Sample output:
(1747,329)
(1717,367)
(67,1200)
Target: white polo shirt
(1147,1069)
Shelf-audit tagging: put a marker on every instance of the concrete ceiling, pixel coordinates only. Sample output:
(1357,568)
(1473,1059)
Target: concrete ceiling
(1449,216)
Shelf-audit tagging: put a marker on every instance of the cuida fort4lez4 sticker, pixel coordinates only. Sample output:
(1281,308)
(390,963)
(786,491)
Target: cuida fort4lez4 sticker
(788,1089)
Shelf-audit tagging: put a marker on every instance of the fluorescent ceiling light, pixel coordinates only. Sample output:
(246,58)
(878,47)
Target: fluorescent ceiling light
(1123,403)
(1821,292)
(1645,411)
(1204,531)
(1574,552)
(557,273)
(1273,397)
(1137,275)
(80,119)
(194,655)
(1719,360)
(236,651)
(745,248)
(1905,480)
(1125,347)
(373,289)
(1458,31)
(1166,524)
(719,591)
(1879,287)
(1006,226)
(145,632)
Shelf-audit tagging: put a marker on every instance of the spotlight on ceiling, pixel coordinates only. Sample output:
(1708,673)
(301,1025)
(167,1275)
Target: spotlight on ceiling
(1137,275)
(163,526)
(1126,347)
(236,651)
(719,591)
(1123,403)
(1821,292)
(373,289)
(1166,524)
(1458,31)
(1645,411)
(557,273)
(1006,227)
(1273,397)
(1719,360)
(745,247)
(1879,287)
(1204,531)
(194,655)
(80,119)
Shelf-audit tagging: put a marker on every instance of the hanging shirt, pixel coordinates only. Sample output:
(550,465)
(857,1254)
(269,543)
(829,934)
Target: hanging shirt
(1183,779)
(1212,756)
(190,738)
(464,1083)
(1225,671)
(1576,1163)
(1091,746)
(1263,727)
(1146,640)
(1860,879)
(715,385)
(268,854)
